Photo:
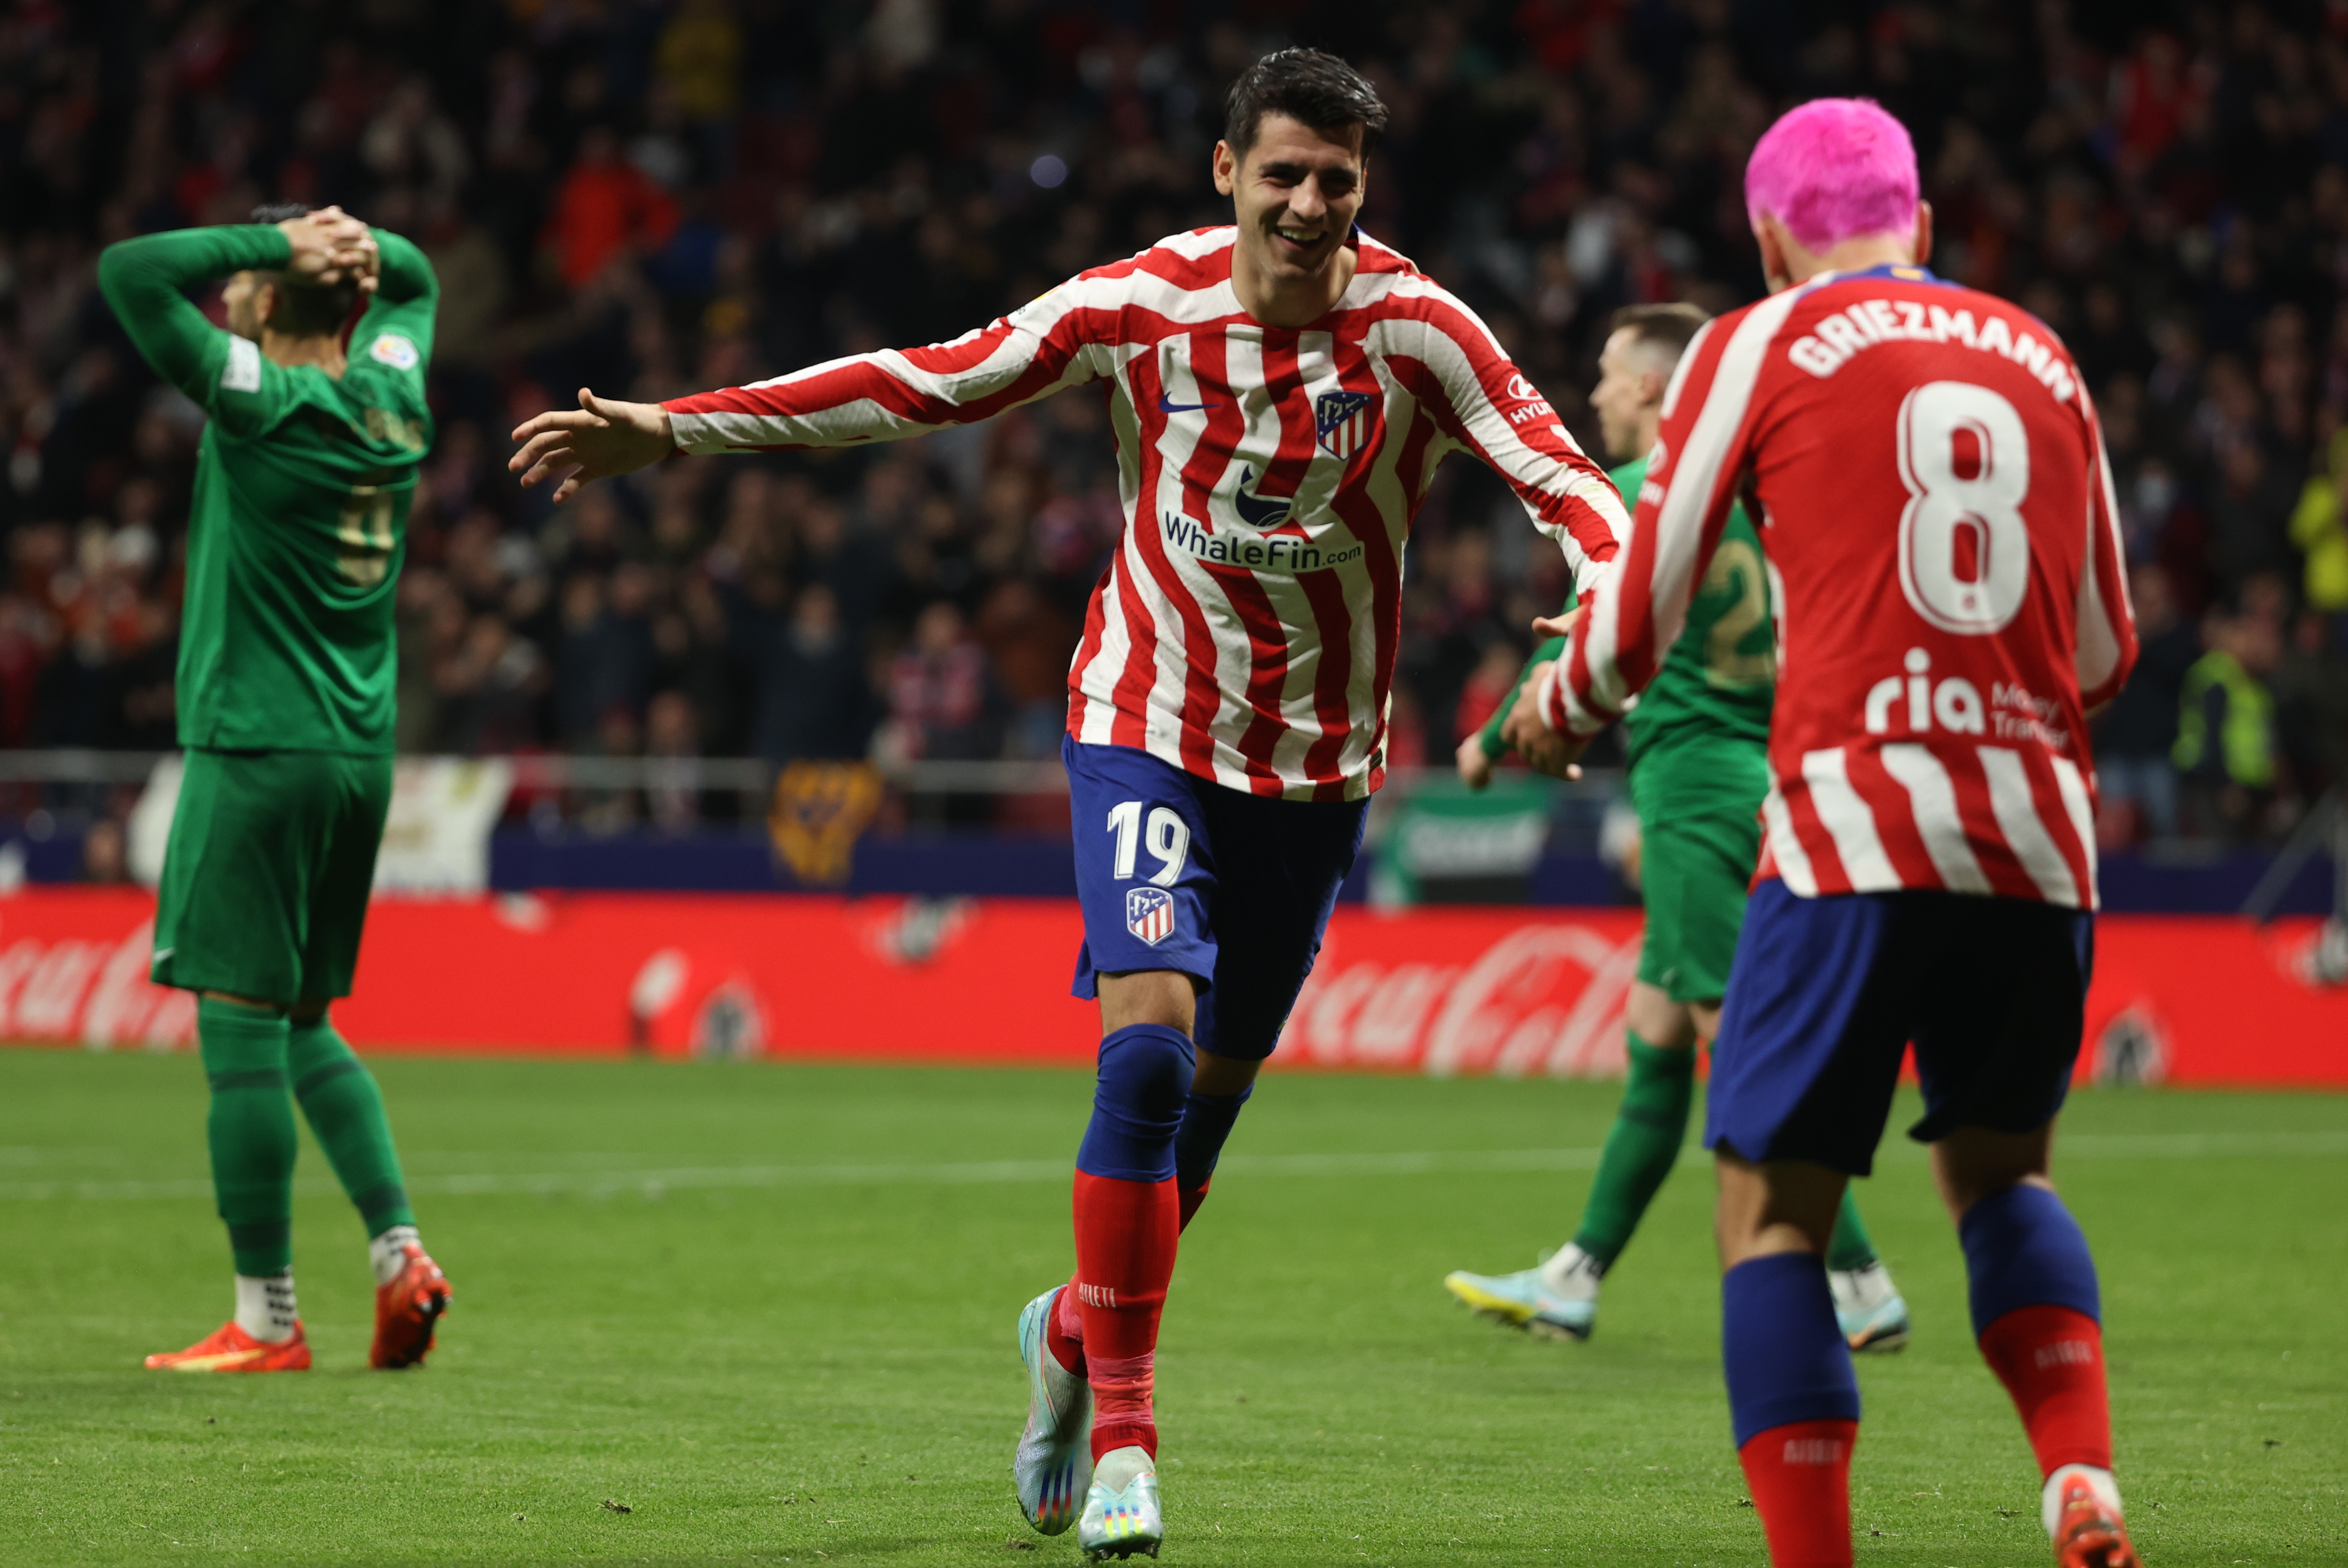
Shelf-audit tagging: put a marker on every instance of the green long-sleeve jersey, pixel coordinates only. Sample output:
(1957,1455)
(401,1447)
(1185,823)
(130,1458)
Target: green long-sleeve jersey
(1721,676)
(299,521)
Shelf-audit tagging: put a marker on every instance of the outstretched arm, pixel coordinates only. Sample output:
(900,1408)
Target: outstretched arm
(881,397)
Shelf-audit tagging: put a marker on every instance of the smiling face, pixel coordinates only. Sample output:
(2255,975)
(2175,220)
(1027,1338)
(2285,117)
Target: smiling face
(1296,192)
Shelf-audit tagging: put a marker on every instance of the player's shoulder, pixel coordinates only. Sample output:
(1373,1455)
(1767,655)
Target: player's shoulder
(388,346)
(1193,260)
(1182,277)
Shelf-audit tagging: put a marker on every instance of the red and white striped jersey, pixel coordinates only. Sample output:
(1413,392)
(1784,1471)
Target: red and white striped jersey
(1944,553)
(1246,628)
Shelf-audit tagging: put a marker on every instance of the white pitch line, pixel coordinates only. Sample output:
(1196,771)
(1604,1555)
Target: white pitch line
(1464,1163)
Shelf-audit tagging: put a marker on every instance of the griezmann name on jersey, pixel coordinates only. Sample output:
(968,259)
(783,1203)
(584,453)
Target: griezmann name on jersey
(1937,510)
(299,521)
(1247,627)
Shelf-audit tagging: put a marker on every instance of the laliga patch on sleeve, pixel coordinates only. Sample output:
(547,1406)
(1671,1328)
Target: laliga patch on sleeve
(243,371)
(395,351)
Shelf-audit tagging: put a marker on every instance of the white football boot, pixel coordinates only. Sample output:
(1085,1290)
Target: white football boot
(1868,1309)
(1559,1300)
(1121,1517)
(1053,1464)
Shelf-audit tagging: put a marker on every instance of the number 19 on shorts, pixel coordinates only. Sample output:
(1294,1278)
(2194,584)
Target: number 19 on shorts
(1165,835)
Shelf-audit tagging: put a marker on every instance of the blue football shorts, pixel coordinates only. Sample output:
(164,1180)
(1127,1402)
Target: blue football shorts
(1176,871)
(1827,993)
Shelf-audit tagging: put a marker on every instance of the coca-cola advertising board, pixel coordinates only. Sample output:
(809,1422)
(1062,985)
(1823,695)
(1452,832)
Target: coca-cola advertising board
(1508,992)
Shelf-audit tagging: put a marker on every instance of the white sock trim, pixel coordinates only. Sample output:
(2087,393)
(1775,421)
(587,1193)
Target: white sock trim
(386,1252)
(1119,1466)
(266,1307)
(1573,1274)
(2050,1497)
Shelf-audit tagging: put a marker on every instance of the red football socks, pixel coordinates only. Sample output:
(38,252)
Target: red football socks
(1064,1331)
(1800,1478)
(2051,1360)
(1189,1198)
(1126,1233)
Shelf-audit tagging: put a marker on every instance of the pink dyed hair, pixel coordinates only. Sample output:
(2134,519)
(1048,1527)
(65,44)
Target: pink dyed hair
(1833,170)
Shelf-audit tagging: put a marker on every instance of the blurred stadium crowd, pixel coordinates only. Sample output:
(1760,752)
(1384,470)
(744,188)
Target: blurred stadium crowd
(654,197)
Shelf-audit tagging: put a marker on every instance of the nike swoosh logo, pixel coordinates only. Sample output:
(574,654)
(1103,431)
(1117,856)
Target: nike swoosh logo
(162,954)
(1167,405)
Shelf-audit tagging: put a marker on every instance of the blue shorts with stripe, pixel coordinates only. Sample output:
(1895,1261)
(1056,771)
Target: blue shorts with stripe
(1175,872)
(1827,993)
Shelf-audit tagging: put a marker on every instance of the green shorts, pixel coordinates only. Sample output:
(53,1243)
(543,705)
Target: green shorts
(267,875)
(1699,805)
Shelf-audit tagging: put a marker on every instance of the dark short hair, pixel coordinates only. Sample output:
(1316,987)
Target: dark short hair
(1309,86)
(1668,327)
(303,309)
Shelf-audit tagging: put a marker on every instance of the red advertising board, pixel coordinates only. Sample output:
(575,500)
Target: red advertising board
(1441,991)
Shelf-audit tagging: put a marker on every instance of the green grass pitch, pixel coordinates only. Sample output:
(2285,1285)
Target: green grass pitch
(767,1311)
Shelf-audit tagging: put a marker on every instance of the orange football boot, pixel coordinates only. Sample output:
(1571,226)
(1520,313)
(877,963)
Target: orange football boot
(406,1311)
(229,1348)
(2088,1534)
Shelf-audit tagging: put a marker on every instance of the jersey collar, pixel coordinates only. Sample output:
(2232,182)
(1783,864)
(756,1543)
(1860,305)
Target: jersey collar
(1898,272)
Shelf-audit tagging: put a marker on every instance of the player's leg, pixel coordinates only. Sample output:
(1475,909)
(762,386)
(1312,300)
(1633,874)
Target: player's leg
(1145,869)
(1793,1396)
(1126,1211)
(1696,804)
(1283,863)
(1996,1071)
(1804,1068)
(1271,871)
(1218,1091)
(1867,1304)
(227,926)
(1697,810)
(338,1096)
(1559,1299)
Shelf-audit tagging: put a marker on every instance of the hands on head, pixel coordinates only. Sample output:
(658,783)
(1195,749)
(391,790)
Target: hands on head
(329,246)
(601,437)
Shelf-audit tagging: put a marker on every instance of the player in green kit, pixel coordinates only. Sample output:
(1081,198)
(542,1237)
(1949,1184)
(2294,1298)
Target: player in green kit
(1699,743)
(287,661)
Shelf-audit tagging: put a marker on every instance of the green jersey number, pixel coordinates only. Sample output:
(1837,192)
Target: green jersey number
(1737,569)
(364,535)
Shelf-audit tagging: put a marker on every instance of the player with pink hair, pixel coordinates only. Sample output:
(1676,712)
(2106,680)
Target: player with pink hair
(1937,511)
(1836,170)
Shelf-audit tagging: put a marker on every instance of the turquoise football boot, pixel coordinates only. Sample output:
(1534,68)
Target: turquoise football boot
(1524,1300)
(1868,1309)
(1053,1464)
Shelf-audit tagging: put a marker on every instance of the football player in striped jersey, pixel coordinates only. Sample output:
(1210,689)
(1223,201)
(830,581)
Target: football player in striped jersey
(1936,503)
(1699,745)
(1282,389)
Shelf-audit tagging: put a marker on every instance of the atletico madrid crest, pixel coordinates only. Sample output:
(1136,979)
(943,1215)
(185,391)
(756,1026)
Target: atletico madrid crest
(1344,419)
(1150,914)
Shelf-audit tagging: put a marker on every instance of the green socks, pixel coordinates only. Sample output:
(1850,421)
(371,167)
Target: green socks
(345,1109)
(1850,1248)
(251,1131)
(1641,1148)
